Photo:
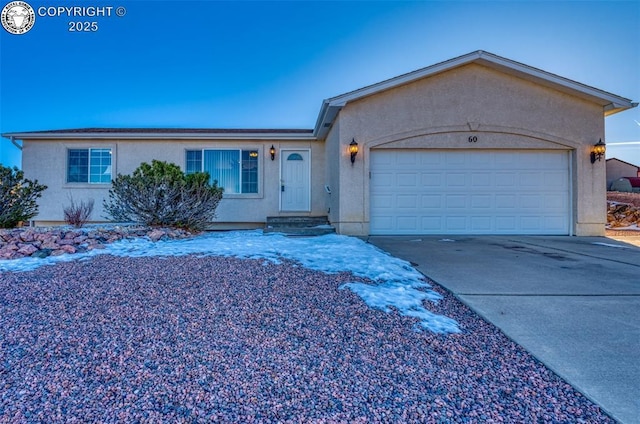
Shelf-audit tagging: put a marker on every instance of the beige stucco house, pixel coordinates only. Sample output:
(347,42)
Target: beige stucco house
(478,144)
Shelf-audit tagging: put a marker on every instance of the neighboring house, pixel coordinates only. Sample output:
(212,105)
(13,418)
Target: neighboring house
(478,144)
(617,168)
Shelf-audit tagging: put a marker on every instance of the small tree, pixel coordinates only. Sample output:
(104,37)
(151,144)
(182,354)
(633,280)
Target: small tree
(160,194)
(77,214)
(17,197)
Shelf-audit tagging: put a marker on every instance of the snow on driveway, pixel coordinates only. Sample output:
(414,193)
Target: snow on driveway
(396,283)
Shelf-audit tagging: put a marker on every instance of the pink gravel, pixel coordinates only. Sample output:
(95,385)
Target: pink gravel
(210,339)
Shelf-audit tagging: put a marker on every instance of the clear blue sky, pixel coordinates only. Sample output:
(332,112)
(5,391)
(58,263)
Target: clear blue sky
(270,64)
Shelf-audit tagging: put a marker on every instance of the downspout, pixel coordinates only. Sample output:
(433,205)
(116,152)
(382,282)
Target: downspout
(13,141)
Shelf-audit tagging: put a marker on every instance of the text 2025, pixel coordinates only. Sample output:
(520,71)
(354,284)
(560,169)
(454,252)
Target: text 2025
(83,26)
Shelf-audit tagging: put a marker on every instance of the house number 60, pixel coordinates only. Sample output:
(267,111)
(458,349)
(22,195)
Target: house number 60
(473,139)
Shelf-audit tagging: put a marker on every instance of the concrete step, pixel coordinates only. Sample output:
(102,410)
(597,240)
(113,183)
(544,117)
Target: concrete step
(299,225)
(296,221)
(301,231)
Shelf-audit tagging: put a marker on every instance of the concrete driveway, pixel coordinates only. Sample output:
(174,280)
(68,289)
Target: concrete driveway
(573,302)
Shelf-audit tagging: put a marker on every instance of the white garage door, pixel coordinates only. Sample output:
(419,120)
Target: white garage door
(469,192)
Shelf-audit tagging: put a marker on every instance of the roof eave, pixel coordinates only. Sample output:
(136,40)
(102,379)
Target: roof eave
(613,107)
(155,136)
(326,118)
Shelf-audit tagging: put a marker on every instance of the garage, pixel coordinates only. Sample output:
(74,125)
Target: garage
(419,191)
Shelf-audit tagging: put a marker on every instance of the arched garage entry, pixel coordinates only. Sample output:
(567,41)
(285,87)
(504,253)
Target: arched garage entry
(427,191)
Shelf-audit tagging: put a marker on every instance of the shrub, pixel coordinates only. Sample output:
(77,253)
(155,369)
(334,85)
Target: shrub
(160,194)
(17,197)
(77,214)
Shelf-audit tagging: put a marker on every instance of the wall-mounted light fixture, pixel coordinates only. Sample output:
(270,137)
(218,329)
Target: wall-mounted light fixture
(272,151)
(597,152)
(353,150)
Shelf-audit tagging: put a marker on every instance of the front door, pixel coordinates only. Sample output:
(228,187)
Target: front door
(295,181)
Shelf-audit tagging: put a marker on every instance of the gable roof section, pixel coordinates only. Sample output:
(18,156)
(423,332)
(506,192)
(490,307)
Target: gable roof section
(610,102)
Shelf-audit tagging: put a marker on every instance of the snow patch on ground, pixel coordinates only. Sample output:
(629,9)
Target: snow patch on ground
(407,299)
(397,284)
(633,227)
(610,245)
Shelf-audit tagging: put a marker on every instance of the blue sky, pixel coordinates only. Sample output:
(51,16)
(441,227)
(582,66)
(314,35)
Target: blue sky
(270,64)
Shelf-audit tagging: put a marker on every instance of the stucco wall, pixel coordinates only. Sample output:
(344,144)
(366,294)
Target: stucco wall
(501,110)
(46,160)
(332,178)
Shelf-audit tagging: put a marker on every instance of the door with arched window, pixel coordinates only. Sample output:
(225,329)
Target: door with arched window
(295,181)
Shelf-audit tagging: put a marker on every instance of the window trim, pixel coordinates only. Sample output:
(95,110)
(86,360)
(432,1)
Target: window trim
(88,184)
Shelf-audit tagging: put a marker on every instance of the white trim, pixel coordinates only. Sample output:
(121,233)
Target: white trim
(282,161)
(572,221)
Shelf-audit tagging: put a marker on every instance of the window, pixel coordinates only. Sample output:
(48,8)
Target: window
(194,161)
(234,170)
(249,171)
(89,166)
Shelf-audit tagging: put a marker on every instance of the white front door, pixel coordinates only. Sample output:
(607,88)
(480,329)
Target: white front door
(295,180)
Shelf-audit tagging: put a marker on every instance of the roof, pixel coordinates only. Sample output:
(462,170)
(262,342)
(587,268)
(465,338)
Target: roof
(626,163)
(169,133)
(611,103)
(330,108)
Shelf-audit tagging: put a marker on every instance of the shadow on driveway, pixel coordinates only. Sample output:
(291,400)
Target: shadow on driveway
(572,302)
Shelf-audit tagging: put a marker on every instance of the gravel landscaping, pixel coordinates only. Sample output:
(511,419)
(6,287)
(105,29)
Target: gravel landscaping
(42,242)
(221,339)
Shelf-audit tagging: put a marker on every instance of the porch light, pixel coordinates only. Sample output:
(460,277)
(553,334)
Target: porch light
(272,150)
(253,154)
(597,152)
(353,150)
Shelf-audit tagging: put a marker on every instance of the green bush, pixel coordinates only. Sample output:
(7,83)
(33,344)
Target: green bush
(160,194)
(17,197)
